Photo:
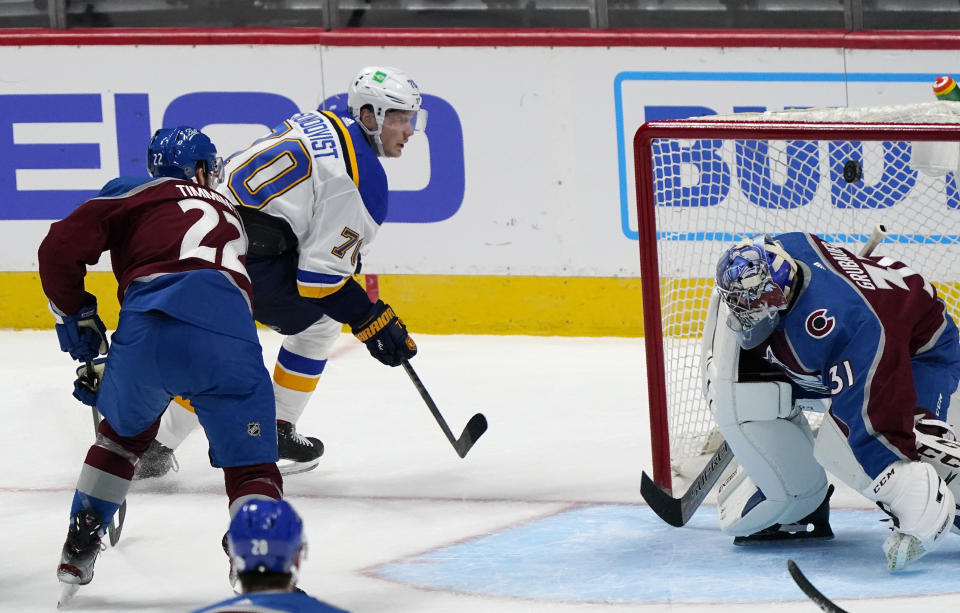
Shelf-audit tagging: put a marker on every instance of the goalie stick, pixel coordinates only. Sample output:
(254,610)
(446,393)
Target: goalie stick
(678,511)
(812,592)
(876,237)
(90,380)
(473,430)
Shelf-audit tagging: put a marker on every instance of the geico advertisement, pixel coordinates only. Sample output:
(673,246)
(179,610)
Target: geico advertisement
(68,125)
(528,173)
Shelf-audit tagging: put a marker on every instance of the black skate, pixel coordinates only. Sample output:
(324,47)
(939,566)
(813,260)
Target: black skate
(298,453)
(81,549)
(79,554)
(156,461)
(814,526)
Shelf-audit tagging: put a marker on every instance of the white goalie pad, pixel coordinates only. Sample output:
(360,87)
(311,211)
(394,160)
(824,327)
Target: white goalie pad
(730,401)
(782,482)
(832,451)
(778,481)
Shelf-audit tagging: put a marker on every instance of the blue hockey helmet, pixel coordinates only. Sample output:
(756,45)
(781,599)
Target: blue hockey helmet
(265,536)
(755,279)
(175,152)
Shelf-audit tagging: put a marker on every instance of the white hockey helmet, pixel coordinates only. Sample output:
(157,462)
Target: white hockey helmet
(384,88)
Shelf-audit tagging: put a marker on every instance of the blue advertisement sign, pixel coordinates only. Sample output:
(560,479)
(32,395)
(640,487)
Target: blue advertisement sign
(440,199)
(750,168)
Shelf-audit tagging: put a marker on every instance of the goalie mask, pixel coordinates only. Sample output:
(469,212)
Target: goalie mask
(175,152)
(383,89)
(755,280)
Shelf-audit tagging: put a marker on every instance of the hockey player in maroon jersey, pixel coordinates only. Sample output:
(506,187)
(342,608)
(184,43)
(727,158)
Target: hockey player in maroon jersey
(185,327)
(868,335)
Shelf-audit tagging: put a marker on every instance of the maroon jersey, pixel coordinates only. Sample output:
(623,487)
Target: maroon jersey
(873,336)
(156,232)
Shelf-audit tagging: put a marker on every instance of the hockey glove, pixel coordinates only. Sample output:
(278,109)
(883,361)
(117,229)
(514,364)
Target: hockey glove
(921,506)
(82,334)
(385,335)
(87,383)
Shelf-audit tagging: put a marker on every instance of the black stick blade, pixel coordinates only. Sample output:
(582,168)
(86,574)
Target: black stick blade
(663,504)
(473,430)
(812,592)
(116,526)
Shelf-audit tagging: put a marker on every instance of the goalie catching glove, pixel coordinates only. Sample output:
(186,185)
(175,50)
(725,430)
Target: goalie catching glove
(920,505)
(385,335)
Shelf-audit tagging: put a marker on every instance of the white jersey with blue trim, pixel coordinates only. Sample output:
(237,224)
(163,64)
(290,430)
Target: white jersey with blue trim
(317,172)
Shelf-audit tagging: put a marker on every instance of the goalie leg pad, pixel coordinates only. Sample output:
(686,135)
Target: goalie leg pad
(832,451)
(782,483)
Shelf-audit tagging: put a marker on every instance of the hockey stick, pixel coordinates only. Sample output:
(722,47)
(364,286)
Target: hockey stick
(473,430)
(812,592)
(876,237)
(678,511)
(92,382)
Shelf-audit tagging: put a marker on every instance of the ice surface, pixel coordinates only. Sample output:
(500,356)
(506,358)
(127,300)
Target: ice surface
(544,514)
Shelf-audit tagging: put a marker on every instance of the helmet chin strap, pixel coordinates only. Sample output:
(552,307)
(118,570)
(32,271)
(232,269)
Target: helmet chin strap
(378,143)
(374,136)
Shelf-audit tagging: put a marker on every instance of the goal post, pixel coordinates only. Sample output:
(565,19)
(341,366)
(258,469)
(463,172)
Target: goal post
(704,183)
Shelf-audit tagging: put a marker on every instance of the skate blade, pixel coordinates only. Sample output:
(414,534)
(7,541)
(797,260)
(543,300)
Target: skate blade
(67,592)
(820,534)
(289,467)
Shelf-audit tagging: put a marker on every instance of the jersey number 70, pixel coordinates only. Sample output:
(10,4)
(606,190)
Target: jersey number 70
(270,172)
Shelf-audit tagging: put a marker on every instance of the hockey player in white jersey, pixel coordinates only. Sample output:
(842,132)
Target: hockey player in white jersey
(867,334)
(312,195)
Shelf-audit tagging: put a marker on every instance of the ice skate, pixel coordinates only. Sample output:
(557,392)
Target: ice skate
(79,554)
(298,453)
(816,525)
(156,461)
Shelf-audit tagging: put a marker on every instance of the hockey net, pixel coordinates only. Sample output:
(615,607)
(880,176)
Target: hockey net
(707,182)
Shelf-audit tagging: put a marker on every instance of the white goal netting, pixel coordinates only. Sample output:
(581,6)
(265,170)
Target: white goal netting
(707,182)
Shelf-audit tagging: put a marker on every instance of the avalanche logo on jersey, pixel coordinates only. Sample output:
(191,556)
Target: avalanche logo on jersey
(809,382)
(819,324)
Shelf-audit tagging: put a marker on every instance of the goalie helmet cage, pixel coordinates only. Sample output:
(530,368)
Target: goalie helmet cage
(704,183)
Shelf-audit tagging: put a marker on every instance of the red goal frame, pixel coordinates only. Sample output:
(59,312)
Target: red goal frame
(700,129)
